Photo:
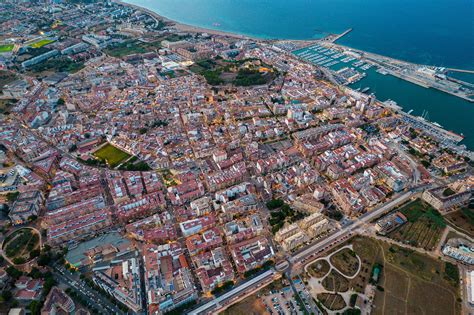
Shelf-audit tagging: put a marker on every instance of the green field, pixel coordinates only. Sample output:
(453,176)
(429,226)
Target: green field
(112,155)
(6,48)
(335,282)
(131,47)
(424,227)
(332,301)
(19,245)
(239,73)
(6,77)
(462,220)
(319,268)
(409,282)
(60,64)
(413,283)
(346,262)
(42,43)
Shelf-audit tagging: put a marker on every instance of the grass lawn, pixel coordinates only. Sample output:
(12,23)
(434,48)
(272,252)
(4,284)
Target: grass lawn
(42,43)
(6,77)
(414,284)
(20,243)
(335,282)
(112,155)
(132,47)
(410,283)
(319,268)
(6,48)
(346,262)
(332,301)
(424,227)
(370,254)
(59,64)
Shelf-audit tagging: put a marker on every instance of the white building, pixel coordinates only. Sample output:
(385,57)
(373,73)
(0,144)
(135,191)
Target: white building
(470,287)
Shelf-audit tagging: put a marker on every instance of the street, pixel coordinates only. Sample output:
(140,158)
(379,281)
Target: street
(92,297)
(346,231)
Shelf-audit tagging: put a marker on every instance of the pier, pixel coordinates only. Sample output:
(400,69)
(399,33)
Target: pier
(334,37)
(460,70)
(411,72)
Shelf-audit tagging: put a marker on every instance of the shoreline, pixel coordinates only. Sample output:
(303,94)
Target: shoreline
(186,27)
(182,27)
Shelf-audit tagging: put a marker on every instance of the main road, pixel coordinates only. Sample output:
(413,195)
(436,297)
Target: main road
(235,294)
(91,296)
(301,256)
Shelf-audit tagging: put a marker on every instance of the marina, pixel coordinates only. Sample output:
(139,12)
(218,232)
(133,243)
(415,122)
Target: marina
(346,67)
(436,47)
(369,77)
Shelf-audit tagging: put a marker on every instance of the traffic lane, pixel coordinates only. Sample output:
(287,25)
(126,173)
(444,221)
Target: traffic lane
(91,293)
(84,296)
(365,217)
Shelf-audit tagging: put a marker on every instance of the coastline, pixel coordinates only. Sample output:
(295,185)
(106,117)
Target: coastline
(181,27)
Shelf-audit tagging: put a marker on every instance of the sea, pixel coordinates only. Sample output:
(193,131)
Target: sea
(432,32)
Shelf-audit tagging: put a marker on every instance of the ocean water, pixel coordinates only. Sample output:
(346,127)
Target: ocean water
(438,32)
(434,32)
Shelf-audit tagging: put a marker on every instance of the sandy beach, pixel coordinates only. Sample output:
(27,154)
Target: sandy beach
(180,27)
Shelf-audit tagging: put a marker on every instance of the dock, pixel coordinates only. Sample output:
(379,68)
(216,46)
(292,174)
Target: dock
(460,70)
(410,72)
(334,37)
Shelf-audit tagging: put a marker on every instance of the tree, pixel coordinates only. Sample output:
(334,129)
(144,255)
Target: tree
(5,209)
(12,196)
(44,259)
(73,148)
(7,295)
(34,253)
(49,282)
(35,307)
(274,203)
(19,260)
(13,272)
(451,272)
(35,273)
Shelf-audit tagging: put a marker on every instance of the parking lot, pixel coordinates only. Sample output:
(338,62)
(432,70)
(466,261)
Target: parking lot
(281,302)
